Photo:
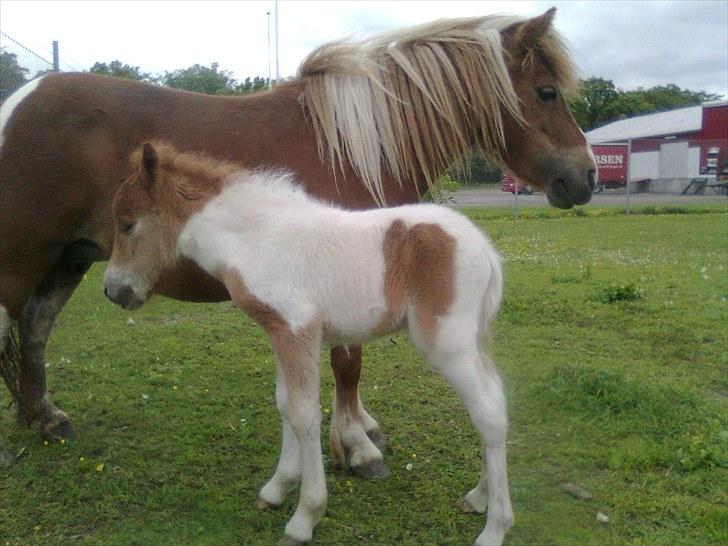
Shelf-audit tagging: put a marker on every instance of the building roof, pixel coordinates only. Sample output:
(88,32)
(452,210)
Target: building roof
(683,120)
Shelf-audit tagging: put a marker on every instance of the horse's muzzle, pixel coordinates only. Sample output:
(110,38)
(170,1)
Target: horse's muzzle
(572,188)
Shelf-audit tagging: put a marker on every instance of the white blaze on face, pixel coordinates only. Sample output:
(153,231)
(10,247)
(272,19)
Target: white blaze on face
(8,107)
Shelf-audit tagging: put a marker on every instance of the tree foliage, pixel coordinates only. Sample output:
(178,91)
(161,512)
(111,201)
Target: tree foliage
(202,79)
(600,102)
(12,75)
(119,70)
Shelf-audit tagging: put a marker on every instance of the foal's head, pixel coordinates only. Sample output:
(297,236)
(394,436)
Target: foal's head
(150,209)
(550,150)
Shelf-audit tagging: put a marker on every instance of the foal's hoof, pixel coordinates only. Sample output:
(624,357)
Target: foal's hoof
(372,470)
(466,508)
(58,428)
(263,504)
(288,541)
(377,437)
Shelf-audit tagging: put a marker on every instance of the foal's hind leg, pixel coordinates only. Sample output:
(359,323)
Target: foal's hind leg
(475,378)
(355,435)
(35,326)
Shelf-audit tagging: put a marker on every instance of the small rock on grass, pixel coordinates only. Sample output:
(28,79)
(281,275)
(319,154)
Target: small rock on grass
(602,518)
(576,491)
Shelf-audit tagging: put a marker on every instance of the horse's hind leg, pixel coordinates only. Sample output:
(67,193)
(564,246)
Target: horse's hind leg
(474,377)
(35,326)
(355,435)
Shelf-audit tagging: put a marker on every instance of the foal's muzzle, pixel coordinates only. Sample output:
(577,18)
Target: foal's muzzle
(123,296)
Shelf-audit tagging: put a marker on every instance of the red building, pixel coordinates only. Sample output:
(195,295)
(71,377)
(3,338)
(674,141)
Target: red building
(681,143)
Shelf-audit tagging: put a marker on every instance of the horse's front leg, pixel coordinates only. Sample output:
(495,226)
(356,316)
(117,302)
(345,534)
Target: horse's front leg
(297,379)
(355,435)
(35,326)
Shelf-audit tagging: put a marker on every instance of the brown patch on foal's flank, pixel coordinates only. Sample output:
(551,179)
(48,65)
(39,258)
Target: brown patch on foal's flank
(293,349)
(420,267)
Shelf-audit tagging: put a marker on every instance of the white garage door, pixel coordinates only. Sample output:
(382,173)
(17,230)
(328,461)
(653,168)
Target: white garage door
(674,160)
(645,165)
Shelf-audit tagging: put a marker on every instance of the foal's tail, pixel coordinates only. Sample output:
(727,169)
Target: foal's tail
(493,294)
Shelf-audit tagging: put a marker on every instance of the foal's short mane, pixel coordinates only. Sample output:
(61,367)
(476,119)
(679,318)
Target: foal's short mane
(413,101)
(207,173)
(194,164)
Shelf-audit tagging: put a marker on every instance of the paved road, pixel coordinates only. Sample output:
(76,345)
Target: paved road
(493,197)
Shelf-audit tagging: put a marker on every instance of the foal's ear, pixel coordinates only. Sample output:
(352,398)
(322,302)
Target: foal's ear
(150,161)
(532,30)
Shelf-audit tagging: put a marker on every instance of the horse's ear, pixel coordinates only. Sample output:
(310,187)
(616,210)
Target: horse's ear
(150,161)
(532,30)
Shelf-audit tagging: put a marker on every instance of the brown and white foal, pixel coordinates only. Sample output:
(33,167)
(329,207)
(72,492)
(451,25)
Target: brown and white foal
(309,272)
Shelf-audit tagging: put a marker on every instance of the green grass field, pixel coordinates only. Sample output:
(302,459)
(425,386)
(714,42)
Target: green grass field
(612,341)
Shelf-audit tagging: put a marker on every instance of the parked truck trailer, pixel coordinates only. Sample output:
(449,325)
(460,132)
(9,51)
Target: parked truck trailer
(611,165)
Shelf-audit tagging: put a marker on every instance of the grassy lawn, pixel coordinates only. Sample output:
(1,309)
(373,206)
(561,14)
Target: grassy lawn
(612,340)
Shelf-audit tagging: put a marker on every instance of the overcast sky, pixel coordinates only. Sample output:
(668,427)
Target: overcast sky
(629,42)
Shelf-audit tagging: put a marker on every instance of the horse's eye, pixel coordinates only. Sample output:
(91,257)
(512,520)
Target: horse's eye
(126,227)
(547,93)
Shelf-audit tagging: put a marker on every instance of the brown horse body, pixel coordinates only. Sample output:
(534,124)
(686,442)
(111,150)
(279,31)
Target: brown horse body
(94,124)
(65,148)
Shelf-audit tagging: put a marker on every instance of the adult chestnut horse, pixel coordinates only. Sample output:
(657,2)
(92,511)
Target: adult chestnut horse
(363,124)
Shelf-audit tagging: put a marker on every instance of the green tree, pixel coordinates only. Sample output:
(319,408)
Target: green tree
(119,70)
(12,75)
(600,102)
(251,86)
(596,97)
(202,79)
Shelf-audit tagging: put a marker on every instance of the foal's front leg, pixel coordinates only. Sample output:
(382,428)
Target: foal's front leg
(288,472)
(298,380)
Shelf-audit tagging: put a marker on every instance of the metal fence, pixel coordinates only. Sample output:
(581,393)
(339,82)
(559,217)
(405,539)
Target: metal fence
(20,63)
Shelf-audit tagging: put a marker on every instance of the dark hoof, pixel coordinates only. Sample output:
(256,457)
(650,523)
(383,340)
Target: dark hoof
(373,470)
(57,429)
(377,437)
(466,508)
(265,505)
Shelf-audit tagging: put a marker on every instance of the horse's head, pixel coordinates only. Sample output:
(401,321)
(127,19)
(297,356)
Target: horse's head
(145,232)
(549,150)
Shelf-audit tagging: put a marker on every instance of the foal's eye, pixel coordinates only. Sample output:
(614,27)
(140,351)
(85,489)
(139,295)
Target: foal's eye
(126,227)
(547,93)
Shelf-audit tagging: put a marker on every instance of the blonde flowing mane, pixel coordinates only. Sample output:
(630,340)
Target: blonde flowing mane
(415,100)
